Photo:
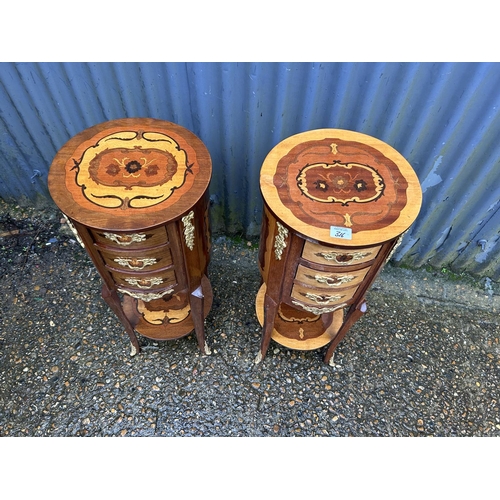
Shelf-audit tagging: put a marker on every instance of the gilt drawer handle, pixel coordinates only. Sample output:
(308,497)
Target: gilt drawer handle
(331,281)
(144,283)
(134,263)
(318,310)
(146,297)
(125,239)
(343,258)
(322,299)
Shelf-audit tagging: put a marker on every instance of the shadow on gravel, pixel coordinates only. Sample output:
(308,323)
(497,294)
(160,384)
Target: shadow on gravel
(423,361)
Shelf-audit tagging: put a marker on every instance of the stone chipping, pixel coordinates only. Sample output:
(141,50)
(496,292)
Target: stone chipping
(423,361)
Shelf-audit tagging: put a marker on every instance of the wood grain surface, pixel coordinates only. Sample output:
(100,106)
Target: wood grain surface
(330,178)
(129,174)
(297,329)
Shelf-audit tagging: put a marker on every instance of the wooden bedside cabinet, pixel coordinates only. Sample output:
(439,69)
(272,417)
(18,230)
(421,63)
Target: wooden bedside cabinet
(135,193)
(336,203)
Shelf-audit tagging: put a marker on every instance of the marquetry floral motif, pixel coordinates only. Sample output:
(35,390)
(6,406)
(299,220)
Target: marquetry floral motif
(340,183)
(113,170)
(151,170)
(321,185)
(131,169)
(360,185)
(163,316)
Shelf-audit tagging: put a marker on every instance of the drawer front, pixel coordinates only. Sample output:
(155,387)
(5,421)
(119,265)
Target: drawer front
(140,239)
(145,281)
(338,257)
(329,280)
(138,260)
(322,298)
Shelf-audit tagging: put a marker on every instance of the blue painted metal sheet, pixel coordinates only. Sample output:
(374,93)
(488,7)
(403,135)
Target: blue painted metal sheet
(443,117)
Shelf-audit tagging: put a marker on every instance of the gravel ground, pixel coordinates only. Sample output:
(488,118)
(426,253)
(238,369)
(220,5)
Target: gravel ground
(424,360)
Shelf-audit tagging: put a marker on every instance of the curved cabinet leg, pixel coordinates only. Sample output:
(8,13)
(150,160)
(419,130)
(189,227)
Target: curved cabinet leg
(197,302)
(111,298)
(352,316)
(270,309)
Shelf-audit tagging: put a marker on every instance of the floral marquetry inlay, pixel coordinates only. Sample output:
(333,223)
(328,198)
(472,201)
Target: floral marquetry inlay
(125,173)
(131,169)
(328,183)
(136,190)
(329,178)
(340,183)
(344,198)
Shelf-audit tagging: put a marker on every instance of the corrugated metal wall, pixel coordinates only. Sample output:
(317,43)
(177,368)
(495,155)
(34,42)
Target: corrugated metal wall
(443,117)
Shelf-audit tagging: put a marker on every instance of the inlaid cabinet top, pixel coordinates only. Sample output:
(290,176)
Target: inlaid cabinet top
(341,187)
(130,174)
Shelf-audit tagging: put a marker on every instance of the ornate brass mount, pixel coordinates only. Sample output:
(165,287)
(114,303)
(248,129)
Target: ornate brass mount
(187,220)
(280,241)
(73,230)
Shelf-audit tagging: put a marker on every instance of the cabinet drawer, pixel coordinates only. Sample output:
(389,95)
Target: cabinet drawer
(330,280)
(322,298)
(336,256)
(148,259)
(140,239)
(145,281)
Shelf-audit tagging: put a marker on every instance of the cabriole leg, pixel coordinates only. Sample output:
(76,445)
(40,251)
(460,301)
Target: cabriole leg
(270,309)
(352,316)
(197,302)
(111,298)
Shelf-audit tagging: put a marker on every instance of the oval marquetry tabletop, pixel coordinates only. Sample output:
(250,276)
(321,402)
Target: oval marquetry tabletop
(328,184)
(129,174)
